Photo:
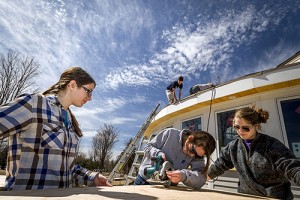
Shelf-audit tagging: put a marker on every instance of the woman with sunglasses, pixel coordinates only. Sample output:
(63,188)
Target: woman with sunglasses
(43,135)
(265,165)
(183,149)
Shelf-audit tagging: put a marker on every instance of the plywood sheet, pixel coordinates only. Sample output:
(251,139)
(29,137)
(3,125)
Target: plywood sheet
(150,192)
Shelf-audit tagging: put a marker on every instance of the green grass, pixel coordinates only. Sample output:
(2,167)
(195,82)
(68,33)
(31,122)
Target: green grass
(2,172)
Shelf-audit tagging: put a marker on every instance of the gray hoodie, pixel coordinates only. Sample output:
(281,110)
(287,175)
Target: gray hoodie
(169,142)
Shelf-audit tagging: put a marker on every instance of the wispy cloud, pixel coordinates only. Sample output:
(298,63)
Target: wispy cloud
(132,48)
(192,49)
(61,35)
(95,114)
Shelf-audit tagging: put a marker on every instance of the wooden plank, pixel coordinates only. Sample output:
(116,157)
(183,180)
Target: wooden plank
(147,192)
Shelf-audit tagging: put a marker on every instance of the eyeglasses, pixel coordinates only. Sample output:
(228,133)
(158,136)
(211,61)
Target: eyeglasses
(245,128)
(88,91)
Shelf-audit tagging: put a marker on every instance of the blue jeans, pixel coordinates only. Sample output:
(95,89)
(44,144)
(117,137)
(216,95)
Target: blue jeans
(140,181)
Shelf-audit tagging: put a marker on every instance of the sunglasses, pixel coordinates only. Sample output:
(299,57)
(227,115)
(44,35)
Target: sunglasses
(88,91)
(193,150)
(245,128)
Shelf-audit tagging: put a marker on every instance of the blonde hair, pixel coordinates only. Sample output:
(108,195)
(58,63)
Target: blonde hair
(81,77)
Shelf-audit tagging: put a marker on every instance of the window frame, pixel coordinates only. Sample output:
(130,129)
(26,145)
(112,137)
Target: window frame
(281,118)
(192,118)
(217,124)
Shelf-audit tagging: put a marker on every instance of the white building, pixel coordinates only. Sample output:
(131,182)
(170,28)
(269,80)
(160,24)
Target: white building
(276,90)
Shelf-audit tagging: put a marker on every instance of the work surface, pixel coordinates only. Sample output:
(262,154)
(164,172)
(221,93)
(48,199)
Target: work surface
(149,192)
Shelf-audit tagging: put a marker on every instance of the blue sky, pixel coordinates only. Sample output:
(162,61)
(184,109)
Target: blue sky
(134,49)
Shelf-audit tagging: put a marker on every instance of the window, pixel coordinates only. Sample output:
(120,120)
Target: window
(226,132)
(170,126)
(192,124)
(291,117)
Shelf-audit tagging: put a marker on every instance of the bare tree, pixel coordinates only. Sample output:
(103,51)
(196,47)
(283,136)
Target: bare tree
(103,142)
(16,75)
(3,155)
(79,148)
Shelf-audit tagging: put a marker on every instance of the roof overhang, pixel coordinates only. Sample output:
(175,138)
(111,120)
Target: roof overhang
(260,82)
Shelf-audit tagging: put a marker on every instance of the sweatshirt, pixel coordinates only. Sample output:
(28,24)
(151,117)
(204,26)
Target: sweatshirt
(264,169)
(169,142)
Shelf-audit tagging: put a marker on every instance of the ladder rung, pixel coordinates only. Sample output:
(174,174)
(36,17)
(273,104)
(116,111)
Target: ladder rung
(131,177)
(145,141)
(136,164)
(140,152)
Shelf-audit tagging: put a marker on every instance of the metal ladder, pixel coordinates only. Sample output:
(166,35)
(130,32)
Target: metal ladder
(131,148)
(139,155)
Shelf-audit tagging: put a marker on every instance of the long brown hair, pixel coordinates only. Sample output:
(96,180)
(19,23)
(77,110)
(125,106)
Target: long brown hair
(81,77)
(206,141)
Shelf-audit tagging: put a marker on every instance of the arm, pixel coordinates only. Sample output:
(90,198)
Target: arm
(222,164)
(153,148)
(286,162)
(180,92)
(15,116)
(86,177)
(194,178)
(174,94)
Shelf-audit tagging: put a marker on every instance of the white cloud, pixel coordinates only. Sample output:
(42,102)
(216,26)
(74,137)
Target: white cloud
(121,120)
(210,44)
(271,61)
(101,36)
(94,114)
(60,35)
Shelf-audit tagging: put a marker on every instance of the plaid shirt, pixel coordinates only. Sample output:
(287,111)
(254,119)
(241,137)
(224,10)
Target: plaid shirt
(42,145)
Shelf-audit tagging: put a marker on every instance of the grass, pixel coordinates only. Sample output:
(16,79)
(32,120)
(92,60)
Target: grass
(2,172)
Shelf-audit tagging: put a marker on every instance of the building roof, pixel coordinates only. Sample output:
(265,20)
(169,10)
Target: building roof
(286,74)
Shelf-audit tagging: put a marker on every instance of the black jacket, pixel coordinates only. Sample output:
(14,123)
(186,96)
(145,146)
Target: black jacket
(264,170)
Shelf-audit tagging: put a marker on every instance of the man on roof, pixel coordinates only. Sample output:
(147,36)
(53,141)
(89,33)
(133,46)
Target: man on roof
(171,90)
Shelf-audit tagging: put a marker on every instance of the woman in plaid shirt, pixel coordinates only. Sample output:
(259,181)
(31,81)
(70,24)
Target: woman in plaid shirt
(43,135)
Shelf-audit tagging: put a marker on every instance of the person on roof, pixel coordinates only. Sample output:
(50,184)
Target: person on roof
(171,90)
(199,87)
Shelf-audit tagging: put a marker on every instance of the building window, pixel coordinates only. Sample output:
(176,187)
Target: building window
(192,124)
(226,132)
(291,117)
(170,126)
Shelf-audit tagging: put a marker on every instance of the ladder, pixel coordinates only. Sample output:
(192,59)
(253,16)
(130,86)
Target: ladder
(131,147)
(139,155)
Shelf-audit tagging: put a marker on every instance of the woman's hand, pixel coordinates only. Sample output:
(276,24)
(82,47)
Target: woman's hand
(174,176)
(208,178)
(101,180)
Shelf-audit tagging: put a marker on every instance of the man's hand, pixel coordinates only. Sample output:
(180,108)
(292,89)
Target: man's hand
(100,180)
(174,176)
